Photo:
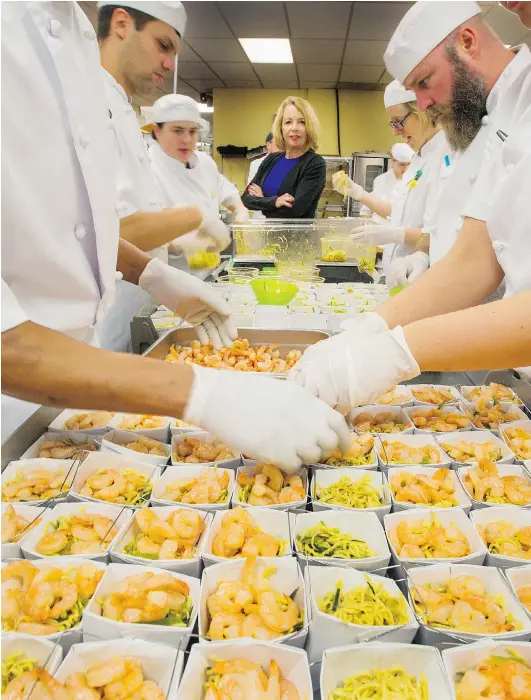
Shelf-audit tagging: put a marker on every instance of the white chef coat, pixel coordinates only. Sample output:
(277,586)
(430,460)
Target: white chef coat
(136,191)
(253,169)
(59,222)
(382,187)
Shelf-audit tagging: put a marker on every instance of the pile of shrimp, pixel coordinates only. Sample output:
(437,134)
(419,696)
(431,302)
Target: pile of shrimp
(37,485)
(519,440)
(383,422)
(463,604)
(242,357)
(240,536)
(491,393)
(146,446)
(192,451)
(492,418)
(465,451)
(38,683)
(174,537)
(439,421)
(400,453)
(485,484)
(433,489)
(498,677)
(45,600)
(211,486)
(434,395)
(239,678)
(125,486)
(269,486)
(503,538)
(358,454)
(90,419)
(15,526)
(139,422)
(251,607)
(524,595)
(149,598)
(112,680)
(56,449)
(393,397)
(79,533)
(428,540)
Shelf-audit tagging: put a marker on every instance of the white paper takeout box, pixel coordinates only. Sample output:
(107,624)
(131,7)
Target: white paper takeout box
(192,471)
(326,477)
(455,393)
(292,662)
(413,441)
(11,550)
(74,634)
(506,407)
(342,662)
(275,524)
(495,585)
(446,517)
(95,626)
(161,433)
(58,424)
(287,579)
(66,468)
(519,517)
(399,390)
(519,577)
(119,515)
(460,495)
(475,436)
(503,470)
(326,629)
(360,524)
(115,441)
(466,390)
(425,409)
(77,437)
(105,460)
(178,427)
(526,425)
(398,413)
(47,654)
(208,439)
(248,467)
(190,566)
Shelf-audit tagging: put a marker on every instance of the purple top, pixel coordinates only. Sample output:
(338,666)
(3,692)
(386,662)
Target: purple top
(277,175)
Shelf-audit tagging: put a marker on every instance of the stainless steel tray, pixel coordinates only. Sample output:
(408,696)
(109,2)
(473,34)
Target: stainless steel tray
(286,339)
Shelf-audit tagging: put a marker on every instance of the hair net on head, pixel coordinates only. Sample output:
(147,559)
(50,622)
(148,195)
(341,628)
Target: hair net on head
(172,13)
(396,94)
(402,152)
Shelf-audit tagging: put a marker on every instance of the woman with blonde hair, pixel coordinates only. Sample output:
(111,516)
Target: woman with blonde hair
(288,184)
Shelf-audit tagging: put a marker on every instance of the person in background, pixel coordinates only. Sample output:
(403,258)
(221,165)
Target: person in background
(257,162)
(289,183)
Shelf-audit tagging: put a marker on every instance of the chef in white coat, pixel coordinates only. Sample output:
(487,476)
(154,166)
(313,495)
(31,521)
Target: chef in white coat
(60,257)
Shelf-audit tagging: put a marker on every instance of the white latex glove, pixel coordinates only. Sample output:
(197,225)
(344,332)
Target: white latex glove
(193,300)
(213,228)
(241,215)
(355,373)
(272,420)
(378,234)
(345,186)
(404,271)
(191,243)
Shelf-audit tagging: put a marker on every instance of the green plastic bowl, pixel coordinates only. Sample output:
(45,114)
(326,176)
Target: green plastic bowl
(274,291)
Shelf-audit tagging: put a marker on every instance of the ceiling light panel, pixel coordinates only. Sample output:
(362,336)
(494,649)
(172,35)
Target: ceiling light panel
(267,50)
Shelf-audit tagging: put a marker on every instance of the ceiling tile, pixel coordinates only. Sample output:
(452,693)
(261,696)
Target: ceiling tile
(361,74)
(281,84)
(306,50)
(186,53)
(506,25)
(205,85)
(255,19)
(242,84)
(318,71)
(204,20)
(386,78)
(365,53)
(376,20)
(309,20)
(320,85)
(276,71)
(196,70)
(233,71)
(218,49)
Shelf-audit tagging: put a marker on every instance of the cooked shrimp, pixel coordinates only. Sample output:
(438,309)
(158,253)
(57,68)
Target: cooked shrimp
(405,531)
(144,518)
(464,617)
(255,627)
(465,586)
(66,594)
(239,516)
(279,612)
(274,476)
(524,594)
(161,530)
(262,545)
(36,629)
(87,578)
(52,543)
(187,524)
(108,493)
(23,571)
(490,487)
(127,684)
(228,541)
(77,686)
(226,626)
(230,597)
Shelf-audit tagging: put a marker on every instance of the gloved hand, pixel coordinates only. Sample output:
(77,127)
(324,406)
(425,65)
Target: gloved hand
(345,186)
(241,215)
(193,300)
(355,373)
(404,271)
(191,243)
(214,229)
(378,234)
(274,421)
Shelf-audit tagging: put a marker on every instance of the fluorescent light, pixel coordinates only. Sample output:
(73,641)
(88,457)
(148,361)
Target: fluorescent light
(267,50)
(205,109)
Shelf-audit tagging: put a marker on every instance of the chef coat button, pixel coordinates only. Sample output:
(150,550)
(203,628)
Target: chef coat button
(118,276)
(484,120)
(473,178)
(55,28)
(90,35)
(498,246)
(80,232)
(82,140)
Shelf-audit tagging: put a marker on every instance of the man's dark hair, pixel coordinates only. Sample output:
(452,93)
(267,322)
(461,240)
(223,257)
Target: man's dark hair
(105,15)
(269,138)
(153,131)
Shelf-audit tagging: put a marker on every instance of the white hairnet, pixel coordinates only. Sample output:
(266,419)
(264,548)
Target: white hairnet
(175,108)
(172,13)
(402,152)
(396,94)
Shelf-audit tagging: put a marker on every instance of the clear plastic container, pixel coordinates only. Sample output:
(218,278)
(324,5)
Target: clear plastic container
(242,276)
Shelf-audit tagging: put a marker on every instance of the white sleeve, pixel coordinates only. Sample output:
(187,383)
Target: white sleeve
(253,169)
(228,194)
(12,313)
(378,190)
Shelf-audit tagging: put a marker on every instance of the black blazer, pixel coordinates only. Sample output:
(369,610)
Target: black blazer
(305,181)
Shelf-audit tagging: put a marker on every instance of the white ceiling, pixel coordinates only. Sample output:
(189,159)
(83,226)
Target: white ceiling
(334,44)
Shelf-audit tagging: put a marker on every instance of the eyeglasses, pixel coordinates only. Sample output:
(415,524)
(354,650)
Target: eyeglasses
(399,123)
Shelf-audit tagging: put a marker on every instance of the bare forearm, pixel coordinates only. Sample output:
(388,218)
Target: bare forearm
(48,367)
(413,236)
(463,278)
(131,261)
(491,336)
(379,206)
(150,229)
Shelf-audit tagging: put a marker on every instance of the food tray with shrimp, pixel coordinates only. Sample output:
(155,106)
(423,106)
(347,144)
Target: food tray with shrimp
(345,489)
(495,417)
(246,667)
(435,394)
(58,445)
(441,595)
(337,537)
(506,532)
(361,453)
(490,395)
(180,427)
(244,532)
(202,448)
(136,446)
(260,484)
(418,538)
(409,671)
(400,396)
(23,657)
(517,437)
(168,537)
(425,487)
(488,484)
(154,427)
(286,340)
(375,419)
(126,604)
(18,519)
(117,666)
(195,486)
(38,481)
(488,669)
(519,579)
(254,597)
(472,446)
(430,420)
(409,450)
(76,420)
